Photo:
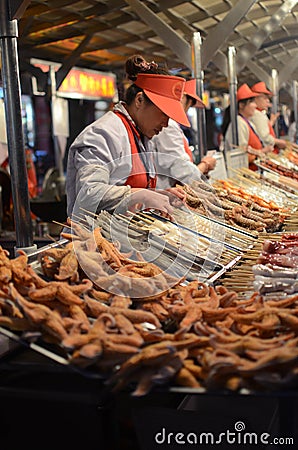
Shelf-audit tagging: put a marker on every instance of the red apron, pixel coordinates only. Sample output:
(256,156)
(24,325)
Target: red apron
(272,132)
(271,129)
(254,142)
(138,177)
(31,172)
(187,149)
(32,178)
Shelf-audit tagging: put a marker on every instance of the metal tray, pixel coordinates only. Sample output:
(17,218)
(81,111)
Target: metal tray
(41,349)
(159,250)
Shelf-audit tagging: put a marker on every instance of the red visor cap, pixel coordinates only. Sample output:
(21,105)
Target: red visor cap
(190,90)
(244,92)
(261,88)
(165,91)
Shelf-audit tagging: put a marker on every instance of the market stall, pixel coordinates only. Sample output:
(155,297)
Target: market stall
(131,321)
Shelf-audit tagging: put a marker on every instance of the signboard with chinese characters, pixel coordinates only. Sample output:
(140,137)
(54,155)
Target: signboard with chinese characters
(206,99)
(88,84)
(83,83)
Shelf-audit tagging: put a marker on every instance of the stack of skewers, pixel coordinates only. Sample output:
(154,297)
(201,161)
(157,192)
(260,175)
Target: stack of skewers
(282,167)
(228,203)
(242,278)
(267,185)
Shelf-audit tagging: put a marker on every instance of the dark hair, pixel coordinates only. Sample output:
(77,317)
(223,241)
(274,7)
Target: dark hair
(245,101)
(137,64)
(191,99)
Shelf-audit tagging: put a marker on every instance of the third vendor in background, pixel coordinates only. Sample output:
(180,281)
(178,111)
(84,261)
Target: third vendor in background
(248,138)
(260,119)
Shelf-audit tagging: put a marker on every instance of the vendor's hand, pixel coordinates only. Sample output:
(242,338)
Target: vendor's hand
(267,149)
(274,117)
(176,195)
(151,199)
(179,192)
(281,143)
(210,160)
(207,163)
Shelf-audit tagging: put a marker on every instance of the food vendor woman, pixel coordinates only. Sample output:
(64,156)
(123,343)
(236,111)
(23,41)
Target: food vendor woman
(247,135)
(109,163)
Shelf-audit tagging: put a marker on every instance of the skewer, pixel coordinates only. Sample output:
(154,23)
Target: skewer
(51,238)
(247,271)
(89,212)
(239,147)
(87,229)
(80,218)
(248,181)
(61,224)
(145,218)
(229,254)
(132,221)
(68,226)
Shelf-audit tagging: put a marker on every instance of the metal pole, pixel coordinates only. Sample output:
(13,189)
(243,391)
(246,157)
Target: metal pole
(57,150)
(15,138)
(295,88)
(199,75)
(233,93)
(275,89)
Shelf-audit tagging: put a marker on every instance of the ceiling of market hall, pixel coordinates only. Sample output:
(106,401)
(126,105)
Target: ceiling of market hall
(102,34)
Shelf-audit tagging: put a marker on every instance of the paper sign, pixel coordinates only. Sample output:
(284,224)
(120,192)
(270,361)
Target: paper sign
(219,172)
(236,159)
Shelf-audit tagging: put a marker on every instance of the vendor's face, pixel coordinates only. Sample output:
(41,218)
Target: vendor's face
(248,107)
(149,119)
(263,102)
(187,102)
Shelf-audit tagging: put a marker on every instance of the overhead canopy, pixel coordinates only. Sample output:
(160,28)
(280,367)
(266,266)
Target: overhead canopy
(101,34)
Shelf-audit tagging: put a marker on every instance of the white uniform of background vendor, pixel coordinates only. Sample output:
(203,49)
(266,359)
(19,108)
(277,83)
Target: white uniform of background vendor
(174,159)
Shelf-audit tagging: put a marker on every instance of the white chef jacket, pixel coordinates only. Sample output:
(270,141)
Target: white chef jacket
(260,122)
(99,163)
(172,163)
(292,132)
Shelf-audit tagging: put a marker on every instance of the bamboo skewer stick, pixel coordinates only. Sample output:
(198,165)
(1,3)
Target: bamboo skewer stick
(61,224)
(80,218)
(89,212)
